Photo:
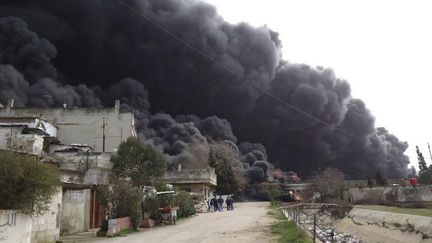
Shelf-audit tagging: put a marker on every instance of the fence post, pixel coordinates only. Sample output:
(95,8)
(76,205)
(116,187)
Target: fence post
(314,228)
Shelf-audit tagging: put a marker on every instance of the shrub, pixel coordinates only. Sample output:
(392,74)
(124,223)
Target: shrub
(120,199)
(27,184)
(186,205)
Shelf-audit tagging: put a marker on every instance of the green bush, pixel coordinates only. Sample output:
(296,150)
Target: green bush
(186,205)
(27,184)
(151,206)
(120,199)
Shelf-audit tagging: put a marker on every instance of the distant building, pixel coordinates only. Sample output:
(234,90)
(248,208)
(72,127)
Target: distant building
(201,182)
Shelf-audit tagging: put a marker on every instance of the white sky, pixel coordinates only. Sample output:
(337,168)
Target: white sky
(383,48)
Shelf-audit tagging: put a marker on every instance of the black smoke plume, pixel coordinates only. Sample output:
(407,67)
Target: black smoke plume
(96,43)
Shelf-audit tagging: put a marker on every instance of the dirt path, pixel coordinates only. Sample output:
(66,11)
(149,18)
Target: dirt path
(249,222)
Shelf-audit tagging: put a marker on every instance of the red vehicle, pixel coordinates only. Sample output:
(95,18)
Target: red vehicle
(413,181)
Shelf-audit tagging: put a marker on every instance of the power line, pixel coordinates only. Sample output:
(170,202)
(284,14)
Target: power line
(249,82)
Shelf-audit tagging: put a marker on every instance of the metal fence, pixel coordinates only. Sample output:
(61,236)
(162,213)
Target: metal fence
(316,220)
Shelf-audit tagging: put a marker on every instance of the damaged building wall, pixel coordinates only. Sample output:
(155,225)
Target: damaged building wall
(82,167)
(35,124)
(12,138)
(84,125)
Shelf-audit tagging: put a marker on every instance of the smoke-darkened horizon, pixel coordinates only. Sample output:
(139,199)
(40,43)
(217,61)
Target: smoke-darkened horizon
(87,53)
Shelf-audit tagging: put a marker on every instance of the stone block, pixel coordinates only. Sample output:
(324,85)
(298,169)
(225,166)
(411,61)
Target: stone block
(42,227)
(40,234)
(147,223)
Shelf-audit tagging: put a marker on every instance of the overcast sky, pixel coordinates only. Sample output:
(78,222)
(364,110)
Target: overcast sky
(383,49)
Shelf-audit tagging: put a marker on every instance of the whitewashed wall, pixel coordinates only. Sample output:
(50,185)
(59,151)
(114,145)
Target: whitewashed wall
(46,228)
(15,227)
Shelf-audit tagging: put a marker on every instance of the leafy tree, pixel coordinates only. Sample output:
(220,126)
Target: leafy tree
(425,177)
(330,183)
(230,178)
(26,183)
(226,181)
(425,173)
(139,162)
(421,160)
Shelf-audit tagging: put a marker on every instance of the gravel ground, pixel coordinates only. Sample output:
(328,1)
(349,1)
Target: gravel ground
(249,222)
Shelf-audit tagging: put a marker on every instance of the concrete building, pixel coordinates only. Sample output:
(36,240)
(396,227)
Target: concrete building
(80,142)
(199,181)
(82,170)
(102,129)
(26,134)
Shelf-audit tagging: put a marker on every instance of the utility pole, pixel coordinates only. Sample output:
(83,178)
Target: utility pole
(103,133)
(430,154)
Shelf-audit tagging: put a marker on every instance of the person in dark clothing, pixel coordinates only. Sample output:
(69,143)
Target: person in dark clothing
(231,203)
(209,206)
(228,203)
(220,204)
(214,203)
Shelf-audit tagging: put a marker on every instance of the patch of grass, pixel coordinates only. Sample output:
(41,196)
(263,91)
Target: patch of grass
(355,222)
(425,236)
(287,231)
(124,232)
(398,225)
(413,211)
(410,227)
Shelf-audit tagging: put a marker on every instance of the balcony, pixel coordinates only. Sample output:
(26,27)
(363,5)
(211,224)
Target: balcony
(192,176)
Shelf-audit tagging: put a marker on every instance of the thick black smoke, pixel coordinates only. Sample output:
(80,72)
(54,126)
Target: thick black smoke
(100,42)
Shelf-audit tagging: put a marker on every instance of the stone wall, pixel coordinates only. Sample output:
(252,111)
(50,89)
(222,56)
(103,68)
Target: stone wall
(14,227)
(391,194)
(117,225)
(75,211)
(46,228)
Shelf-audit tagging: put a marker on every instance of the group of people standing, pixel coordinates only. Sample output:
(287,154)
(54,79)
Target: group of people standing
(216,204)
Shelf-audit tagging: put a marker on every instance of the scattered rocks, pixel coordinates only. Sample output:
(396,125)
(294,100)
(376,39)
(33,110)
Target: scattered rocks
(325,233)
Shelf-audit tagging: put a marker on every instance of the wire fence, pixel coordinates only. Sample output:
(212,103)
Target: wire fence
(316,219)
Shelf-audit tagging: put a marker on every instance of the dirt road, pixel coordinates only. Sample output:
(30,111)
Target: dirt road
(249,222)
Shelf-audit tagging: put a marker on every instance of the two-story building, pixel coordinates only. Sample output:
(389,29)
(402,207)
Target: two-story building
(80,142)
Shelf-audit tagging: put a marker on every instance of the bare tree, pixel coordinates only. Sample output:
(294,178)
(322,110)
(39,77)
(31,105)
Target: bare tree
(330,183)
